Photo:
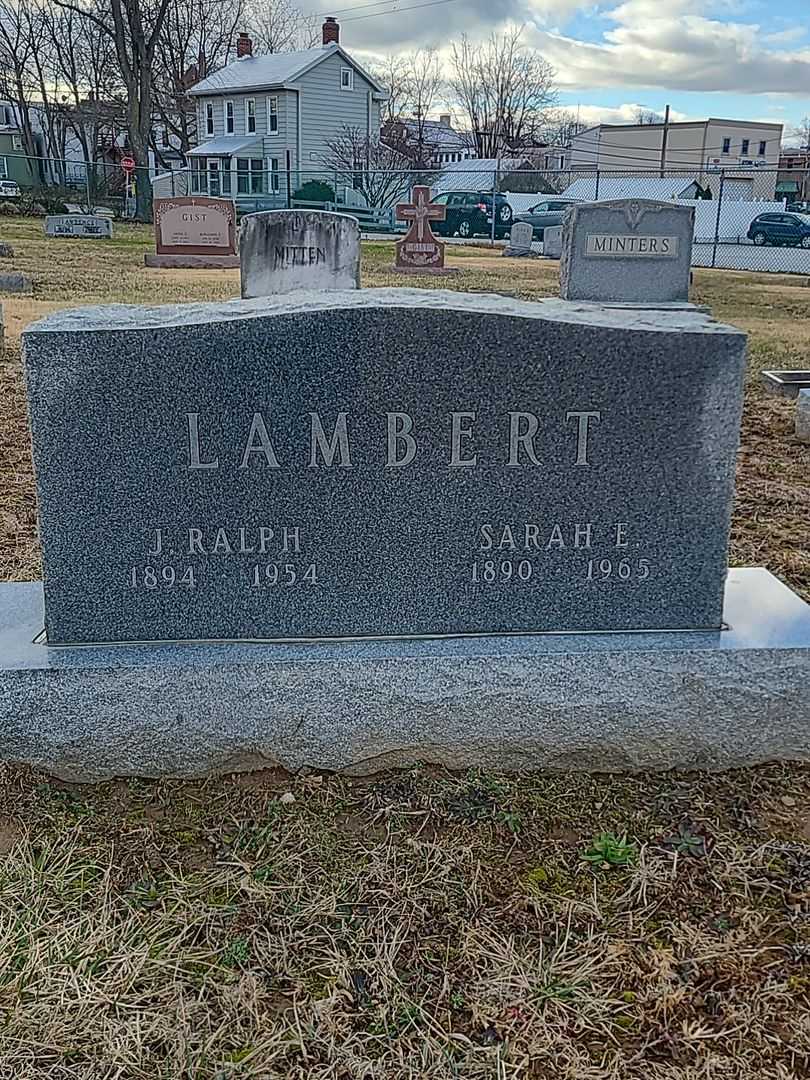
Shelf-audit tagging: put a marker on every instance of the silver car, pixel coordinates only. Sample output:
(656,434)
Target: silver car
(549,212)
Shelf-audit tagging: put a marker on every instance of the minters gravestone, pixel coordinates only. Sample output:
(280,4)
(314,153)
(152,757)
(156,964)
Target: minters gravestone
(290,250)
(627,251)
(381,463)
(86,226)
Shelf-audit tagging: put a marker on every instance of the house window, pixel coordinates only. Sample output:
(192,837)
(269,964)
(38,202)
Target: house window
(209,118)
(250,116)
(197,176)
(3,169)
(16,142)
(346,79)
(229,118)
(763,146)
(274,184)
(744,148)
(726,146)
(249,176)
(272,116)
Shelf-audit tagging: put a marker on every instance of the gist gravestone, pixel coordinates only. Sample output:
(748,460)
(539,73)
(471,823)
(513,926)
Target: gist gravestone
(289,250)
(87,226)
(381,463)
(194,232)
(627,251)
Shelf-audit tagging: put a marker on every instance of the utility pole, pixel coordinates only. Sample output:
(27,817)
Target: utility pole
(664,136)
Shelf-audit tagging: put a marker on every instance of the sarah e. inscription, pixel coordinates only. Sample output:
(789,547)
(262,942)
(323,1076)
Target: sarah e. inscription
(381,462)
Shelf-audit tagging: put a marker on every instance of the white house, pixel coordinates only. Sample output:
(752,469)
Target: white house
(262,114)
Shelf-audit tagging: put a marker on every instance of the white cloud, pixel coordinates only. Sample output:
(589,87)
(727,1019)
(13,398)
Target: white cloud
(620,114)
(678,50)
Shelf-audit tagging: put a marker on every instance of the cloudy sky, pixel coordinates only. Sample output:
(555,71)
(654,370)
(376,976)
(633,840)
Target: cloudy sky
(745,59)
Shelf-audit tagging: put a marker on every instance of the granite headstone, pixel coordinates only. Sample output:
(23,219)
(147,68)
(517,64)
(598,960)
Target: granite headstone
(419,251)
(194,232)
(552,241)
(15,282)
(385,462)
(285,251)
(627,251)
(803,416)
(88,226)
(520,240)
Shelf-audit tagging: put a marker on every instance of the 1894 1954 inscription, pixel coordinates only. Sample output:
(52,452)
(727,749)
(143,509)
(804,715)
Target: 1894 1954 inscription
(397,462)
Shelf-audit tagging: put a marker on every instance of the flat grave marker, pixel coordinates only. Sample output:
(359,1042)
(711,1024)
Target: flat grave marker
(84,226)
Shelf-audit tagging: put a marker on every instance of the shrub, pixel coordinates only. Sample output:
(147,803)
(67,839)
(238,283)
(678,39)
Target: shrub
(315,191)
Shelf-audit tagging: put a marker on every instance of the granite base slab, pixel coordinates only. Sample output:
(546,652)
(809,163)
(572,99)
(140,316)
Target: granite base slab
(192,262)
(602,702)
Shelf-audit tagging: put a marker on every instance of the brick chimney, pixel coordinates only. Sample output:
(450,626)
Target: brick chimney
(244,46)
(331,31)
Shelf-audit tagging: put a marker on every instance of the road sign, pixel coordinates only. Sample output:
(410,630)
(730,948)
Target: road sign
(128,164)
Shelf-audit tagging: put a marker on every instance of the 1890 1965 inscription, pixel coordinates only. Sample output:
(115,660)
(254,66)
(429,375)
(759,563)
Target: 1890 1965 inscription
(396,462)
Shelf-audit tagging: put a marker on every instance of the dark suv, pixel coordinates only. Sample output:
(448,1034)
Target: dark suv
(470,212)
(793,229)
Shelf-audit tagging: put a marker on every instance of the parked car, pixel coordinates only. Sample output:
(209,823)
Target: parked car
(9,189)
(789,229)
(470,212)
(549,212)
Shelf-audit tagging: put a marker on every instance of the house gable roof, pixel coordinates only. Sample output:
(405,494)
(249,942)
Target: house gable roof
(274,70)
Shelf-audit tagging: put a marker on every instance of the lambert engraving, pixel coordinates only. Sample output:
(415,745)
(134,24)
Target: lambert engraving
(400,439)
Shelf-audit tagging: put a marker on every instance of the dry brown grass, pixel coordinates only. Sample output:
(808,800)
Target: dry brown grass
(424,925)
(421,926)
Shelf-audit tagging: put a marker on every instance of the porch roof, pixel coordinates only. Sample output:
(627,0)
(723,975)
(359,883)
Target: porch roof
(224,146)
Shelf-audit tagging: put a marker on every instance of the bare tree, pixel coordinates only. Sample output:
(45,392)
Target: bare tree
(18,82)
(646,116)
(801,132)
(135,28)
(425,80)
(279,25)
(81,92)
(381,173)
(560,127)
(393,73)
(505,89)
(197,39)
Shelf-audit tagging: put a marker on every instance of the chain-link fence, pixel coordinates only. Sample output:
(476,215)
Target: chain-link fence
(745,218)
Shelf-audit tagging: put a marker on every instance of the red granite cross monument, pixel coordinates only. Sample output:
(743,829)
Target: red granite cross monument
(420,250)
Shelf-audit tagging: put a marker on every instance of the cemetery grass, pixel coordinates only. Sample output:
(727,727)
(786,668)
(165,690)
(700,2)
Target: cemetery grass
(420,924)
